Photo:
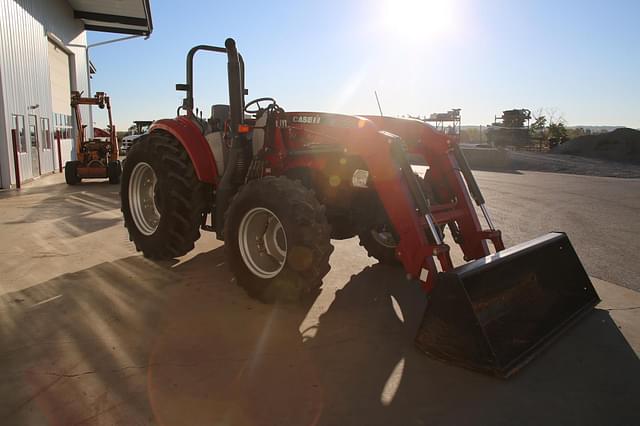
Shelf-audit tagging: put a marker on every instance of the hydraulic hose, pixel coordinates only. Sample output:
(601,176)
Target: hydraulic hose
(468,176)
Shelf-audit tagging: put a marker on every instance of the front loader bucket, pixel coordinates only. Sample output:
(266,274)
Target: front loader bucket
(496,313)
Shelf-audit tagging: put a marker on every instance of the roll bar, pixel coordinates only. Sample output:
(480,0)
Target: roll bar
(235,72)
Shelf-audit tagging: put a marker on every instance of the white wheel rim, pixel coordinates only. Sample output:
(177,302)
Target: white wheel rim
(262,242)
(142,198)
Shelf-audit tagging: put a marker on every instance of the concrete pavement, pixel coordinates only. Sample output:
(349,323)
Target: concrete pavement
(92,333)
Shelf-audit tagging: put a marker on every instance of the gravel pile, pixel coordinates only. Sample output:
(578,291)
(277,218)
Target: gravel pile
(622,145)
(571,164)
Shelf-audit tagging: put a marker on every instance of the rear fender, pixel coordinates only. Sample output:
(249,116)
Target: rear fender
(191,138)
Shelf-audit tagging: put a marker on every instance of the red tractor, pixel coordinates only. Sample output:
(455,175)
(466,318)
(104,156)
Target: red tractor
(277,186)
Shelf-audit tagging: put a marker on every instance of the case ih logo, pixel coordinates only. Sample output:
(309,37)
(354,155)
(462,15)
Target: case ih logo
(306,119)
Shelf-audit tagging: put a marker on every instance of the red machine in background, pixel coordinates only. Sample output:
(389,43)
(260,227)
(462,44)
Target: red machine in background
(278,186)
(97,158)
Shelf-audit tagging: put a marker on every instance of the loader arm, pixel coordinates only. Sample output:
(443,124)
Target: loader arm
(498,311)
(420,243)
(391,176)
(493,313)
(448,166)
(384,145)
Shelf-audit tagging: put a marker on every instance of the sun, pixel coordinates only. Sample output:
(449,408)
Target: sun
(417,20)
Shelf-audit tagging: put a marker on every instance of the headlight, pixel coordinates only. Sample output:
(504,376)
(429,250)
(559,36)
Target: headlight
(360,178)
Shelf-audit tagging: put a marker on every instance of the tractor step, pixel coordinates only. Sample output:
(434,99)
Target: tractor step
(497,313)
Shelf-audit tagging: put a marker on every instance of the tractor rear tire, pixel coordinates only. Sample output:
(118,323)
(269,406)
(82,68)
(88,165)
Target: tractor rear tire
(114,171)
(277,240)
(384,253)
(162,198)
(71,172)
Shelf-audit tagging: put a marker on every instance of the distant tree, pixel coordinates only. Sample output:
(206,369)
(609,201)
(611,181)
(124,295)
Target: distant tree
(558,131)
(537,128)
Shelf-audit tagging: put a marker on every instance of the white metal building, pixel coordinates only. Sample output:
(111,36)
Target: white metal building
(43,57)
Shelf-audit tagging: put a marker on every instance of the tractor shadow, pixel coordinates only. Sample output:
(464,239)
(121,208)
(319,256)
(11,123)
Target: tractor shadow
(376,376)
(137,342)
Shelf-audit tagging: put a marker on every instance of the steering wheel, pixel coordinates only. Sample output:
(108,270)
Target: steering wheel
(256,102)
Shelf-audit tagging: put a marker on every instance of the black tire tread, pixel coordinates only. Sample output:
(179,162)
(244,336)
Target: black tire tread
(71,173)
(187,198)
(313,232)
(114,171)
(384,255)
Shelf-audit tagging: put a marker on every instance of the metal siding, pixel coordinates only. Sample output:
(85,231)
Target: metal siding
(4,163)
(24,70)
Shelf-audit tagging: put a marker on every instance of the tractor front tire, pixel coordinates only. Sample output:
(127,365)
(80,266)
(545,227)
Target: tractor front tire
(277,240)
(162,199)
(114,171)
(71,173)
(384,250)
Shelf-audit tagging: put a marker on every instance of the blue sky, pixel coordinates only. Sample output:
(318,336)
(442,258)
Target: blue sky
(577,59)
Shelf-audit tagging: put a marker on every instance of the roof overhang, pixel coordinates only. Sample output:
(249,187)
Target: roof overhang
(114,16)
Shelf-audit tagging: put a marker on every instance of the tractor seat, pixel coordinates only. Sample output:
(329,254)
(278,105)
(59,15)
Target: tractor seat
(219,116)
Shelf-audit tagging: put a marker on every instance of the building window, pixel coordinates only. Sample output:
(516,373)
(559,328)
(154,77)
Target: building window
(45,136)
(62,124)
(19,130)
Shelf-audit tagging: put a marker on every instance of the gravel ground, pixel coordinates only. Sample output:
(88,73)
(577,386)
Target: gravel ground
(571,164)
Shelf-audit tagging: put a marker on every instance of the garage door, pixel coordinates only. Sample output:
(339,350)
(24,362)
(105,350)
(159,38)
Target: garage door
(60,79)
(61,96)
